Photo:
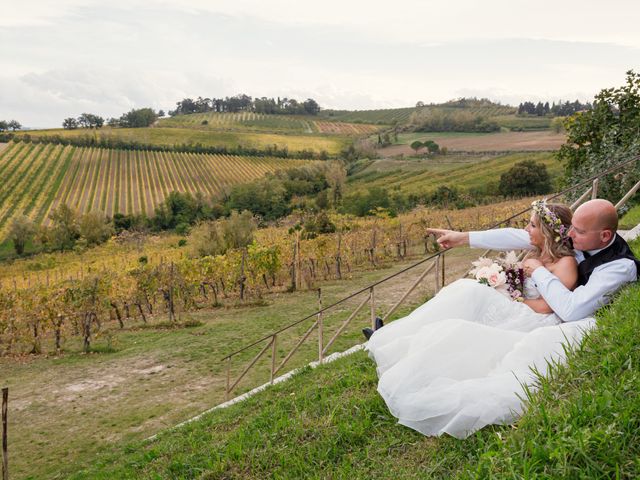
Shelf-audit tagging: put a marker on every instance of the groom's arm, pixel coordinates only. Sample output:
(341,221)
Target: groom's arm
(586,299)
(500,239)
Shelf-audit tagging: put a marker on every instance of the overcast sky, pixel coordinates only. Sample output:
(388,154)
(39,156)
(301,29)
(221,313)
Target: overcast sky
(65,57)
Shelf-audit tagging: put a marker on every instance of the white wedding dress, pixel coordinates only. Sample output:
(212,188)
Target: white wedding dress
(458,362)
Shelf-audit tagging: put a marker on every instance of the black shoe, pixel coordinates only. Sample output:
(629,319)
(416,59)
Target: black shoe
(367,332)
(379,323)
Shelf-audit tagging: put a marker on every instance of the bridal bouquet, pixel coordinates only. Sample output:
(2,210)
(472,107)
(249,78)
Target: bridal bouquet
(504,274)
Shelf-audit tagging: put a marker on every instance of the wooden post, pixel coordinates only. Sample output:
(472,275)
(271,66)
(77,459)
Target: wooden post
(273,357)
(372,304)
(594,192)
(443,270)
(437,274)
(5,449)
(320,327)
(226,392)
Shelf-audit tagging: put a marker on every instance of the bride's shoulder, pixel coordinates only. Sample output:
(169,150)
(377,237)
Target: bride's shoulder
(565,262)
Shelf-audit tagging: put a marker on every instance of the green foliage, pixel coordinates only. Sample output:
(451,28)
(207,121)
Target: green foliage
(367,204)
(216,238)
(525,178)
(266,197)
(435,120)
(182,209)
(64,231)
(603,136)
(416,145)
(95,228)
(21,231)
(142,117)
(317,224)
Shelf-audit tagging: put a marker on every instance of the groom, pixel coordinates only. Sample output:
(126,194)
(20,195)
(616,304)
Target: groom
(605,261)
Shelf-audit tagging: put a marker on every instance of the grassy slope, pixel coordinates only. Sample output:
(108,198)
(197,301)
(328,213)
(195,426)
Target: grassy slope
(464,173)
(330,423)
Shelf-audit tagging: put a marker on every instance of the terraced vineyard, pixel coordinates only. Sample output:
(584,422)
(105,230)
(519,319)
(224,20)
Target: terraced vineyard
(256,122)
(39,177)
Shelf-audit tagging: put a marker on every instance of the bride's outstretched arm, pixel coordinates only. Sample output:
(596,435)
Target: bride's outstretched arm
(538,305)
(498,239)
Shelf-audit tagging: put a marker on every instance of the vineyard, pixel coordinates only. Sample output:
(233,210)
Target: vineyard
(171,136)
(256,122)
(463,172)
(39,310)
(403,115)
(39,177)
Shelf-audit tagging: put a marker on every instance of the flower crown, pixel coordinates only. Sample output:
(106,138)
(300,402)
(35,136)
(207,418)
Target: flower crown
(545,214)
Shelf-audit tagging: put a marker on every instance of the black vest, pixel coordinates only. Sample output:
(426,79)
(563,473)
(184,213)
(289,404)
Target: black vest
(617,250)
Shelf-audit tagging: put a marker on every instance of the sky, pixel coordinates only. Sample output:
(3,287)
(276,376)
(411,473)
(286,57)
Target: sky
(60,59)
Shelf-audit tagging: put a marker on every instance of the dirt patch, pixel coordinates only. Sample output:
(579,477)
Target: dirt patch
(491,142)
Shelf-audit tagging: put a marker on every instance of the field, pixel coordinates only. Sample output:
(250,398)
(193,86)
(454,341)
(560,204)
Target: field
(255,122)
(332,144)
(479,142)
(465,172)
(39,177)
(402,115)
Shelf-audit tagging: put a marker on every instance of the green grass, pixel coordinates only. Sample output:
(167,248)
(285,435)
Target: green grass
(631,218)
(523,123)
(582,423)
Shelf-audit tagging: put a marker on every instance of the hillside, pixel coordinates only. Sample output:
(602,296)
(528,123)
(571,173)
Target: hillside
(468,173)
(254,122)
(39,177)
(331,423)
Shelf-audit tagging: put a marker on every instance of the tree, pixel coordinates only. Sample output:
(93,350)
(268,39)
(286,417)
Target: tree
(14,125)
(606,134)
(64,231)
(4,125)
(70,123)
(525,178)
(89,120)
(432,147)
(94,228)
(21,232)
(416,145)
(142,117)
(336,175)
(311,107)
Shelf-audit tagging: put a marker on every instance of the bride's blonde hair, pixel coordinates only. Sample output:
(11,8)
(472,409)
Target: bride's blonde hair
(554,220)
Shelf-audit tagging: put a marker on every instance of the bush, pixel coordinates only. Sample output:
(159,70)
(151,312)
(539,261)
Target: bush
(525,178)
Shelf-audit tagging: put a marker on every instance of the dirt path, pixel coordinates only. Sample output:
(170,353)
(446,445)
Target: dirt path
(491,142)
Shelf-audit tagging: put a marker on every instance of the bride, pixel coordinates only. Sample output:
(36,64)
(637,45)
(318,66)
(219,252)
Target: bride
(459,362)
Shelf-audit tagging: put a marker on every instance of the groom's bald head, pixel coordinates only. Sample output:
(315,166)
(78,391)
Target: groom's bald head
(594,224)
(599,214)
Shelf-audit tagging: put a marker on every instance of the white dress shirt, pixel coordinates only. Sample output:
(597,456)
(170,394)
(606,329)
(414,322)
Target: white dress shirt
(569,305)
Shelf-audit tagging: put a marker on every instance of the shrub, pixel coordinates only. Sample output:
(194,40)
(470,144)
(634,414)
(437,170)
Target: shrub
(525,178)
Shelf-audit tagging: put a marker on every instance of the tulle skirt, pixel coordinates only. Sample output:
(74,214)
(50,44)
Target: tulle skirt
(460,361)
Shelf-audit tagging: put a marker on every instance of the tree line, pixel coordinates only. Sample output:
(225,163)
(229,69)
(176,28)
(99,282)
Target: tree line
(11,124)
(136,118)
(560,109)
(244,103)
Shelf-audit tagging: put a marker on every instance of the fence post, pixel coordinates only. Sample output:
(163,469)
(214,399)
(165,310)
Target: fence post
(320,327)
(226,393)
(437,273)
(273,357)
(594,192)
(443,271)
(5,448)
(372,304)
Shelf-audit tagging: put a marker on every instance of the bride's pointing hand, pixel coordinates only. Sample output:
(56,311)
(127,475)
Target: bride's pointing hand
(449,238)
(530,265)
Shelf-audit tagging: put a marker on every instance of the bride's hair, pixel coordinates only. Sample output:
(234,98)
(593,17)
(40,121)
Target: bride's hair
(556,244)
